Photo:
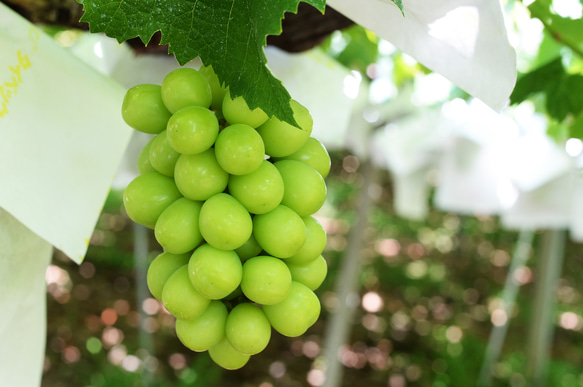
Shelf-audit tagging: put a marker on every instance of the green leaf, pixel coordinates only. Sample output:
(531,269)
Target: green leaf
(360,48)
(563,91)
(558,131)
(537,80)
(227,34)
(548,50)
(565,97)
(576,128)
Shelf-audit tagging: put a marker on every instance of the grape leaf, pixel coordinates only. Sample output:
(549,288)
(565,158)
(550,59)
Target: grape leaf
(576,128)
(540,79)
(566,97)
(563,91)
(227,34)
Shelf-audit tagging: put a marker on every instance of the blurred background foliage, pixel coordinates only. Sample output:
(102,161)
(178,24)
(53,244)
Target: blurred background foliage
(427,291)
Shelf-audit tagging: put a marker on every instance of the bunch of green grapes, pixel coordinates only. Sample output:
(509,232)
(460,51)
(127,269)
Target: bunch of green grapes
(230,194)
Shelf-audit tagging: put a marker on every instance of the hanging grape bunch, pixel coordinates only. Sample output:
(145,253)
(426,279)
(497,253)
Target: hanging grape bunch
(230,195)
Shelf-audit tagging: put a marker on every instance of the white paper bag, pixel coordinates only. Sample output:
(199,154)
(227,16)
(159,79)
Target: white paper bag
(61,136)
(548,206)
(470,179)
(412,195)
(24,258)
(463,40)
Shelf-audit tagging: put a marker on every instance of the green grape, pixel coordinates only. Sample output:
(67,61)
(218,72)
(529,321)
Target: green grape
(236,111)
(215,273)
(249,249)
(224,222)
(280,232)
(266,280)
(199,176)
(162,156)
(282,139)
(144,165)
(177,228)
(181,298)
(185,87)
(259,191)
(314,154)
(147,196)
(161,268)
(142,109)
(218,90)
(247,329)
(239,149)
(314,245)
(207,330)
(304,188)
(311,274)
(294,315)
(224,355)
(192,130)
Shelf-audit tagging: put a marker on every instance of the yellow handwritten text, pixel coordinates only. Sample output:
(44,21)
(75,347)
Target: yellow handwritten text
(9,88)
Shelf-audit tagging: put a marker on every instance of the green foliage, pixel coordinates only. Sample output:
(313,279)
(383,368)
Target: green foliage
(360,50)
(114,377)
(564,29)
(556,75)
(565,97)
(403,71)
(559,131)
(538,80)
(227,34)
(576,128)
(563,91)
(437,280)
(548,50)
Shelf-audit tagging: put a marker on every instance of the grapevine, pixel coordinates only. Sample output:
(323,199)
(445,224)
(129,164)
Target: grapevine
(230,194)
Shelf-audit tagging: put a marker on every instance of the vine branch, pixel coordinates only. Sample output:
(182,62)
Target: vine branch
(555,33)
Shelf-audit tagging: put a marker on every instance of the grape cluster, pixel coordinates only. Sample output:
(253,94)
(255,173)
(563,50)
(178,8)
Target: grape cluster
(230,194)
